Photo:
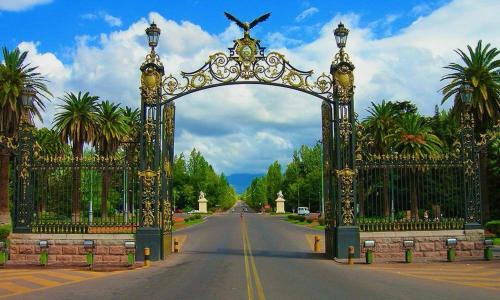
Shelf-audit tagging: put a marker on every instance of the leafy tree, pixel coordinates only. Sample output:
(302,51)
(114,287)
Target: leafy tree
(413,137)
(273,181)
(481,68)
(15,73)
(113,129)
(77,122)
(379,124)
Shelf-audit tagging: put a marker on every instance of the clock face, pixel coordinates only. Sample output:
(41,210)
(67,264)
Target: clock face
(246,52)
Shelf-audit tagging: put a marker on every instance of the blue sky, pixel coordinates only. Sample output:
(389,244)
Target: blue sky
(56,23)
(399,49)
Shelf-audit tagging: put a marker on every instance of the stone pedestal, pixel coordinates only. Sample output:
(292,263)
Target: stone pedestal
(202,203)
(280,204)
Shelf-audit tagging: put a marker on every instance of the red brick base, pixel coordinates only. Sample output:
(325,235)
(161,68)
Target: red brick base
(67,249)
(428,244)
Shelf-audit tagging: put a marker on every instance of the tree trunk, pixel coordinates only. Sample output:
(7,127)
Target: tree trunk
(76,188)
(485,197)
(104,193)
(4,186)
(386,193)
(413,196)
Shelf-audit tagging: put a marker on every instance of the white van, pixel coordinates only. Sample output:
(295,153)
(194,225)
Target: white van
(303,211)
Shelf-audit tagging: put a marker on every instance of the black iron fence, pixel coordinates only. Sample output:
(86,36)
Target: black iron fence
(90,195)
(398,192)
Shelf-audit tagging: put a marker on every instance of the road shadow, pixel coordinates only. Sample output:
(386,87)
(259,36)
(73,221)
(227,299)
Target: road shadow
(261,253)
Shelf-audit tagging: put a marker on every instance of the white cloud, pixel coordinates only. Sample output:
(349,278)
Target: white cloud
(244,128)
(109,19)
(306,14)
(20,5)
(112,20)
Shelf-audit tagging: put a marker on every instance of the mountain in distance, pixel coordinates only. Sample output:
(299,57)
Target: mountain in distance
(240,181)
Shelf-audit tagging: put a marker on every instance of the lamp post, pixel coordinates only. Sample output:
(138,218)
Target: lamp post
(151,191)
(470,160)
(24,197)
(346,231)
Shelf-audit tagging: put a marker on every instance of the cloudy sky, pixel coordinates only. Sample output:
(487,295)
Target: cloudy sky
(398,48)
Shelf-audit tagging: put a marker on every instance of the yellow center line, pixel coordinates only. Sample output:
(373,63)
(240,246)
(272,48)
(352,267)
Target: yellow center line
(258,283)
(247,268)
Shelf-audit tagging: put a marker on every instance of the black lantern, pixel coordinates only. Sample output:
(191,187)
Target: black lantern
(27,96)
(341,34)
(466,93)
(153,33)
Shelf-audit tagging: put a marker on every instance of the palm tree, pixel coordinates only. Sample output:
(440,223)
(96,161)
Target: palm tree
(113,128)
(49,142)
(413,137)
(77,122)
(133,119)
(15,73)
(379,124)
(480,68)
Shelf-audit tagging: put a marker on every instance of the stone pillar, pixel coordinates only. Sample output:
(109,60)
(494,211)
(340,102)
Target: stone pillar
(280,203)
(202,203)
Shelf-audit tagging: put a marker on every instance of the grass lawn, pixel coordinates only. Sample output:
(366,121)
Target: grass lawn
(313,225)
(180,225)
(496,241)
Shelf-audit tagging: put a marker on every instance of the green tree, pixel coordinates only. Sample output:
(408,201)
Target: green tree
(49,142)
(413,137)
(77,122)
(380,123)
(15,73)
(112,131)
(131,140)
(274,182)
(481,68)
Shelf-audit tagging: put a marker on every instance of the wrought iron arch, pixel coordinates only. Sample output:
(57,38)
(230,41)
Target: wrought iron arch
(245,64)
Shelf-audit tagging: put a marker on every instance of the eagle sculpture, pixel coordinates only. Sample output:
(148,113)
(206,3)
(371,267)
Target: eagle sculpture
(245,25)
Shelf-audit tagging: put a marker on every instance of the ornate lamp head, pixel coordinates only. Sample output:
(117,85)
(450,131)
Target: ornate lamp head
(466,93)
(341,34)
(27,96)
(153,33)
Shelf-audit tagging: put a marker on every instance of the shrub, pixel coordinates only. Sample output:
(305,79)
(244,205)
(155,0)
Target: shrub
(291,217)
(493,227)
(309,221)
(4,232)
(301,218)
(187,219)
(321,221)
(197,216)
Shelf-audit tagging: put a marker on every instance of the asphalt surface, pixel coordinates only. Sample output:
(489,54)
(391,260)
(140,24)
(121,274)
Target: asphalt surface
(256,257)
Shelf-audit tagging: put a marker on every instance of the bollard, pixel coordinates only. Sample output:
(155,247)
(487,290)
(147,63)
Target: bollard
(450,254)
(488,252)
(408,255)
(147,253)
(408,245)
(316,243)
(44,254)
(3,254)
(451,243)
(350,255)
(369,256)
(176,246)
(89,246)
(130,250)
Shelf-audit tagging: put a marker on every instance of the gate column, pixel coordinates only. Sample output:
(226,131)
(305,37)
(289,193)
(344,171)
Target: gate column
(149,234)
(346,231)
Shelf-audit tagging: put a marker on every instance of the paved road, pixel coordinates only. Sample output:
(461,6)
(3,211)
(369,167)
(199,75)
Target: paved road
(262,257)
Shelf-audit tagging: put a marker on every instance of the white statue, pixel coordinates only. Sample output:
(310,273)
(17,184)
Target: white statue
(202,203)
(202,195)
(280,203)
